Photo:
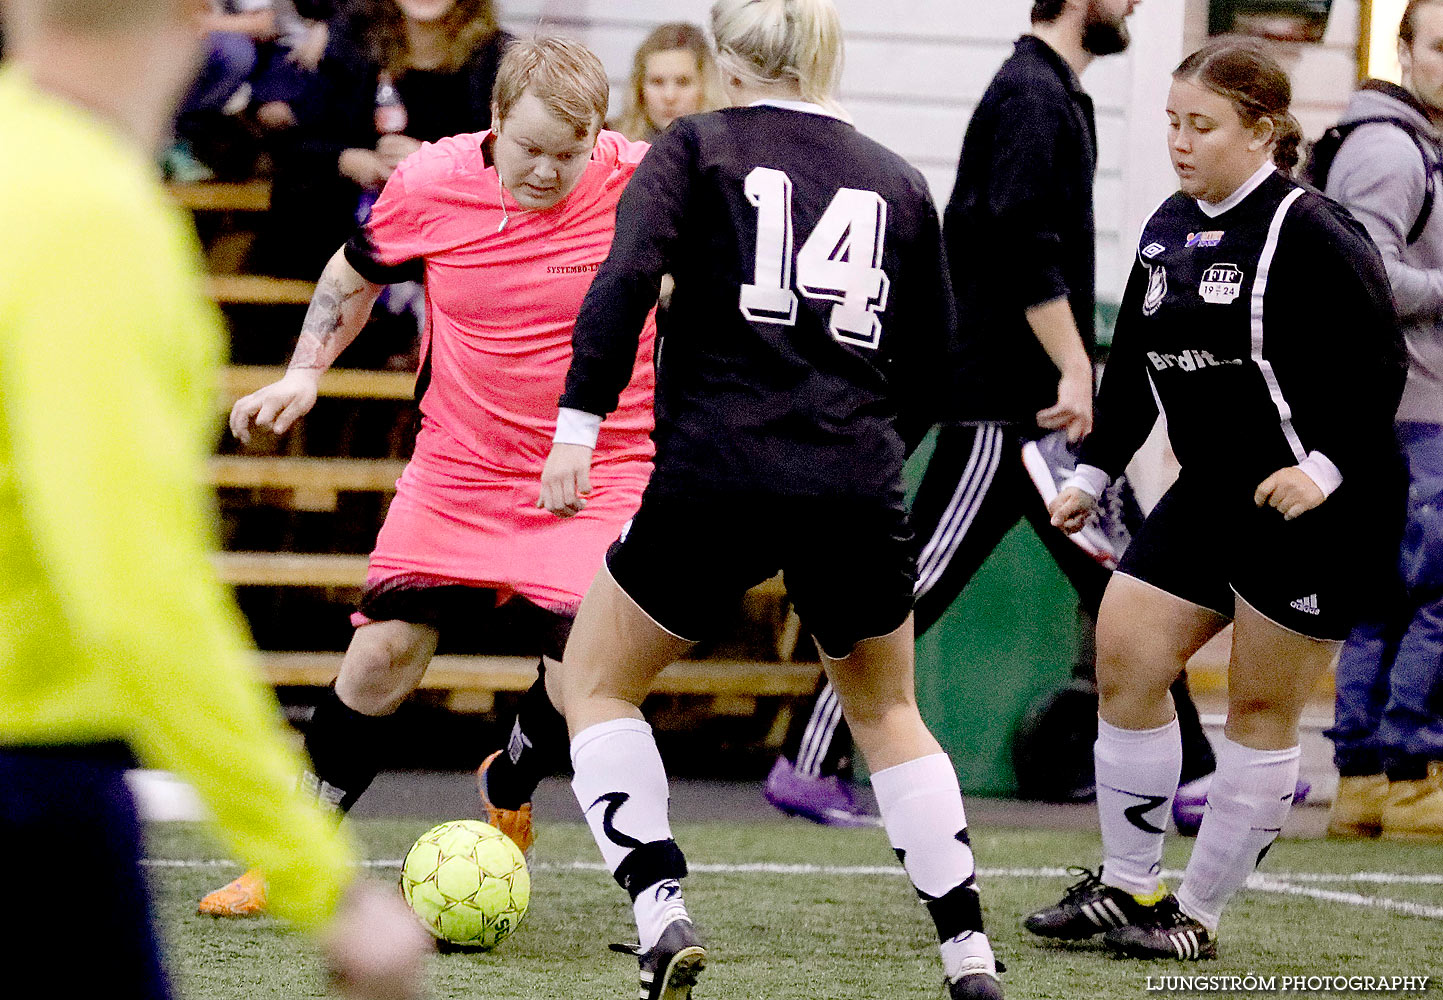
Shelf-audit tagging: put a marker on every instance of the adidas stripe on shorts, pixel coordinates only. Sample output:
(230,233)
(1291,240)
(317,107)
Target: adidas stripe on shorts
(1317,575)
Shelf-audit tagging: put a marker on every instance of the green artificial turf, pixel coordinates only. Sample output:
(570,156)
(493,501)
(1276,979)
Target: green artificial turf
(783,935)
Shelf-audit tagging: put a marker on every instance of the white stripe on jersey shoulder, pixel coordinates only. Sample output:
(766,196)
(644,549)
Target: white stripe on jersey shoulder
(806,106)
(1212,209)
(1142,231)
(1260,287)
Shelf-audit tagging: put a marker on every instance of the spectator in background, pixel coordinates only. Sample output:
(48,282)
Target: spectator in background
(1388,729)
(118,640)
(236,29)
(1020,236)
(672,74)
(396,73)
(288,67)
(262,54)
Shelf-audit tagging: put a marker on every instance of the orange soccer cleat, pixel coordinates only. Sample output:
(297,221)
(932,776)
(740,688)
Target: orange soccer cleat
(245,897)
(515,823)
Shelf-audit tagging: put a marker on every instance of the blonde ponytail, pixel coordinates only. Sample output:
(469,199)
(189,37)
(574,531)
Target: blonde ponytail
(766,41)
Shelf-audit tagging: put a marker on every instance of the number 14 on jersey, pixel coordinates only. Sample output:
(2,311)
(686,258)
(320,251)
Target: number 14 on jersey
(841,260)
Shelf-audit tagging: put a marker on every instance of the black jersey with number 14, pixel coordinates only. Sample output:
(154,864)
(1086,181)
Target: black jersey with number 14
(811,334)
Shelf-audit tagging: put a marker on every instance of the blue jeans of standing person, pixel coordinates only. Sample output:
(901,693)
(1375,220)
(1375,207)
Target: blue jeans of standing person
(1388,715)
(229,62)
(68,822)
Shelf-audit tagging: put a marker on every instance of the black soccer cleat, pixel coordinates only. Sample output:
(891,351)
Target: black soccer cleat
(1086,909)
(1166,932)
(974,986)
(669,969)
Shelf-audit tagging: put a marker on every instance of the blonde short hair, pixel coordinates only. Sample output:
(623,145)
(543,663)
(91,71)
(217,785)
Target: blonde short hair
(766,41)
(563,74)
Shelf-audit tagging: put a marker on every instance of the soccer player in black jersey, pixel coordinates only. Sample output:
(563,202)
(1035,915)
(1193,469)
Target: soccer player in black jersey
(808,341)
(1258,319)
(1020,239)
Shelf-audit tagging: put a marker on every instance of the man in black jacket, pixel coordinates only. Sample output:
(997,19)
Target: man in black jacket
(1020,239)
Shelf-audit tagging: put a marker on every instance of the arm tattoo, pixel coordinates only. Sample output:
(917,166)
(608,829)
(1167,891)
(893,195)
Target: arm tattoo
(323,321)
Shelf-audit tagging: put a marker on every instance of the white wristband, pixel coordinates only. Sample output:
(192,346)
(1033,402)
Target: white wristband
(1089,479)
(1321,470)
(576,427)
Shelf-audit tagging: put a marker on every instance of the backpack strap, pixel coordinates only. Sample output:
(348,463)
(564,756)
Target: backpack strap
(1427,148)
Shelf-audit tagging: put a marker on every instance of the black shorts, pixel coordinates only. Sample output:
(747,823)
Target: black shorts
(847,563)
(460,613)
(1316,575)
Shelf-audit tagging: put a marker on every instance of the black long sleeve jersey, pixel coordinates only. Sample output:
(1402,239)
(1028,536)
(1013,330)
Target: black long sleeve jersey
(812,325)
(1264,329)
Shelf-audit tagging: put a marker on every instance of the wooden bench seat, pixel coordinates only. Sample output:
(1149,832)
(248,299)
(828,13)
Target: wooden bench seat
(290,569)
(311,483)
(259,290)
(472,681)
(222,196)
(342,383)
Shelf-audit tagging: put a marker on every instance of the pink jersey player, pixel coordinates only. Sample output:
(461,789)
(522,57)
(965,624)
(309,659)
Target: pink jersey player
(507,229)
(502,293)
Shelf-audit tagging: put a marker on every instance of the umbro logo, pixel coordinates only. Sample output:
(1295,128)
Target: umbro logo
(1152,250)
(519,742)
(1307,605)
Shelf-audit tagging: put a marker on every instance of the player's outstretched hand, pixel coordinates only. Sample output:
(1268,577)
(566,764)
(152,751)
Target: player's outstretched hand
(1073,410)
(1291,491)
(374,947)
(1071,508)
(566,479)
(276,407)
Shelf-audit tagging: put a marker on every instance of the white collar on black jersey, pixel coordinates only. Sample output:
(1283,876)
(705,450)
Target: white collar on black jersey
(1213,209)
(806,106)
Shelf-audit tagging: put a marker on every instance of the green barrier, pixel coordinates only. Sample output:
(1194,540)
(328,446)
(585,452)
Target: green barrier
(1010,638)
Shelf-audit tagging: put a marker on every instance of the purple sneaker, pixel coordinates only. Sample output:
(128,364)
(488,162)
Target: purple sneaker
(1191,798)
(824,799)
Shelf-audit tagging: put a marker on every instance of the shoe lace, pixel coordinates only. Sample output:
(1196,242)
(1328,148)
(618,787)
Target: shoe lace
(634,950)
(1089,883)
(1167,914)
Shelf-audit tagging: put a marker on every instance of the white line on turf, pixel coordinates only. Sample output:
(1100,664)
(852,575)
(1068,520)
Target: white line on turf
(769,868)
(1282,883)
(1265,884)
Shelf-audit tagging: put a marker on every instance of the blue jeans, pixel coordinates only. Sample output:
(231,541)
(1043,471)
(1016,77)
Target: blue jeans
(1390,672)
(229,62)
(67,815)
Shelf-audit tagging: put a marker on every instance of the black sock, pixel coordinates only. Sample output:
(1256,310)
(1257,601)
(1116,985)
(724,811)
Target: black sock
(538,747)
(1197,752)
(345,749)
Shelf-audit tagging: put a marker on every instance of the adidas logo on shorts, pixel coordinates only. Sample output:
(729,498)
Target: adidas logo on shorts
(1308,605)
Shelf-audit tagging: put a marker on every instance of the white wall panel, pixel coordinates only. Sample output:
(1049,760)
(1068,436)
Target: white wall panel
(916,68)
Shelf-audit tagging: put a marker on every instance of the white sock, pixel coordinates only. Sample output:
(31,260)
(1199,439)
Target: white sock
(921,806)
(1137,775)
(656,907)
(1251,793)
(621,786)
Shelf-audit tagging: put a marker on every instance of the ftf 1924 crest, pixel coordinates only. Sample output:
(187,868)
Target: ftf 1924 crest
(1221,284)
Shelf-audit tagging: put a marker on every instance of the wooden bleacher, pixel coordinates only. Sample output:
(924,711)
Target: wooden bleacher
(225,215)
(341,383)
(312,483)
(259,290)
(471,682)
(286,477)
(216,196)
